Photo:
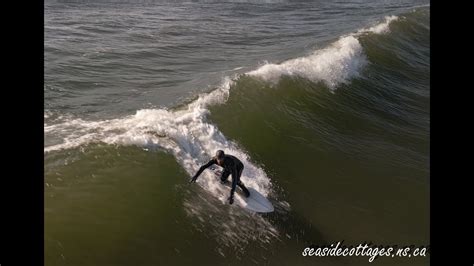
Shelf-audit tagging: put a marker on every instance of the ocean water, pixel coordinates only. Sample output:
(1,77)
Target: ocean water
(326,103)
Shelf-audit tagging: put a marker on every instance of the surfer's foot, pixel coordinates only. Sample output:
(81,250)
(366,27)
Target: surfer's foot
(246,192)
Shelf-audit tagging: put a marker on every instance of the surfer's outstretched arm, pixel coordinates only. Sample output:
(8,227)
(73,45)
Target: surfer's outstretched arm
(202,168)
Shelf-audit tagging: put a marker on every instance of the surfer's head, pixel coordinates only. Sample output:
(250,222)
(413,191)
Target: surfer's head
(220,155)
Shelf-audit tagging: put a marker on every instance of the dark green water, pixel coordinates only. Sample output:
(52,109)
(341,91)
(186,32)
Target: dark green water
(338,141)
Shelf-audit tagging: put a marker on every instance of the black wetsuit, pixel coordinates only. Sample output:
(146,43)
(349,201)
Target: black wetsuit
(232,166)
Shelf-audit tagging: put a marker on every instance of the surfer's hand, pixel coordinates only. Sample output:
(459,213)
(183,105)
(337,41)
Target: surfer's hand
(193,179)
(231,200)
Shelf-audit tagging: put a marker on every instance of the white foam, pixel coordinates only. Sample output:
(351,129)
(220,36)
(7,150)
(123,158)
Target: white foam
(184,133)
(333,65)
(380,28)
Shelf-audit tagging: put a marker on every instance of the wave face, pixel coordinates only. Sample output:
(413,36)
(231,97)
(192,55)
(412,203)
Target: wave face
(190,137)
(354,100)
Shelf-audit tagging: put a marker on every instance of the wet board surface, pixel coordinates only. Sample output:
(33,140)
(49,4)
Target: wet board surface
(256,202)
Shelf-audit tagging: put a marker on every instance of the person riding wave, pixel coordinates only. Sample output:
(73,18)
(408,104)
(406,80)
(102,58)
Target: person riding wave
(232,166)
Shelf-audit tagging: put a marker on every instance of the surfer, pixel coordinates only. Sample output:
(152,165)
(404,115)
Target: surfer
(232,166)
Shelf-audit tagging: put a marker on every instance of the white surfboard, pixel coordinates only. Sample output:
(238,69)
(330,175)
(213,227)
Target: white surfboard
(256,202)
